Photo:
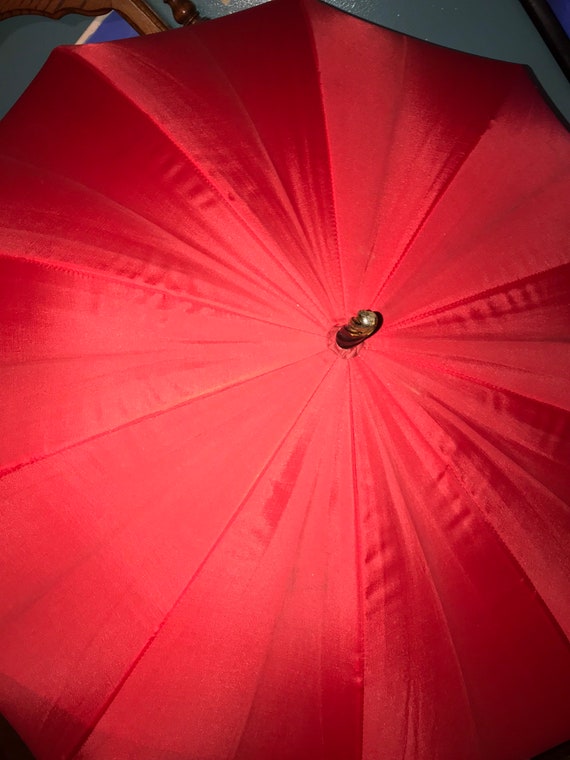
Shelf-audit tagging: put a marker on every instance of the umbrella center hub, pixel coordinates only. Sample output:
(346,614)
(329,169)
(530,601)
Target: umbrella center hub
(358,329)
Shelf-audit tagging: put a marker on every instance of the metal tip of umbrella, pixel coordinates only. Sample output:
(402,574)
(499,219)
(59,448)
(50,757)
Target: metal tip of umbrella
(359,328)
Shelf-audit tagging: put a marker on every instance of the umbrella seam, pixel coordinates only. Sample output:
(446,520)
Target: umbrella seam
(466,424)
(307,291)
(435,362)
(86,273)
(437,200)
(510,553)
(432,580)
(295,214)
(143,418)
(396,114)
(478,296)
(359,559)
(205,178)
(480,511)
(283,601)
(477,381)
(83,740)
(521,444)
(333,209)
(244,272)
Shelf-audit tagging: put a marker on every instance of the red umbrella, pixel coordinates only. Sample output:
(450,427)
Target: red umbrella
(225,536)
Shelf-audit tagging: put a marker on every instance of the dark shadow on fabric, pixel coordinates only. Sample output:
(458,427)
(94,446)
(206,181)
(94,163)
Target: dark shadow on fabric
(561,752)
(11,745)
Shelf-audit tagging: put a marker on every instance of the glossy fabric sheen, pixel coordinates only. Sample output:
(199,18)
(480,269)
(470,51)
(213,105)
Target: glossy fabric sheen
(222,537)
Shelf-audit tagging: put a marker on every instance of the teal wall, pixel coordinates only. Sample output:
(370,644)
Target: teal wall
(25,43)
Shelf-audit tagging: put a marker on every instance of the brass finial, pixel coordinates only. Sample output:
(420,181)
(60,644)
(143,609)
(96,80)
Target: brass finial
(360,327)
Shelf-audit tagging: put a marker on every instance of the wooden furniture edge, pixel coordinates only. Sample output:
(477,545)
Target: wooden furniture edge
(135,12)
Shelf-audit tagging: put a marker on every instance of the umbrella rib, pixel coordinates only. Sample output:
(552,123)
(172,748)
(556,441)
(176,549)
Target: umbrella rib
(73,182)
(510,553)
(206,179)
(245,272)
(151,415)
(396,113)
(478,296)
(499,389)
(466,423)
(432,578)
(491,386)
(278,617)
(62,358)
(432,364)
(448,462)
(419,360)
(294,212)
(358,531)
(84,738)
(64,266)
(326,131)
(435,202)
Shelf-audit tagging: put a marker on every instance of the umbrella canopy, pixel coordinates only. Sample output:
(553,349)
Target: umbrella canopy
(223,534)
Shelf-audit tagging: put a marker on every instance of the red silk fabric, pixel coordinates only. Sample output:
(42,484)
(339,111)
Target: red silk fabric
(221,536)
